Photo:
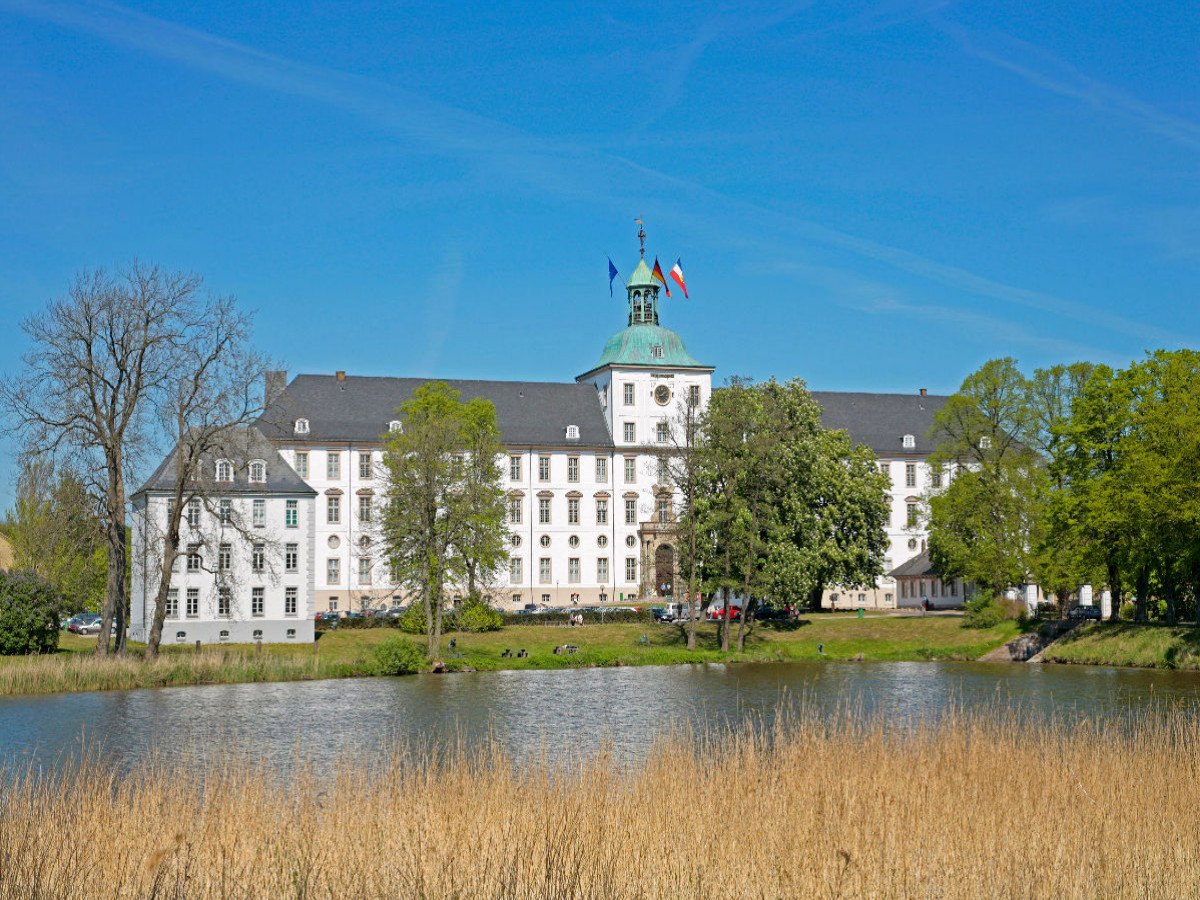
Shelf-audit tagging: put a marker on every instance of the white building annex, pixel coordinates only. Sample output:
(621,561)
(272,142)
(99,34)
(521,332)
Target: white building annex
(589,513)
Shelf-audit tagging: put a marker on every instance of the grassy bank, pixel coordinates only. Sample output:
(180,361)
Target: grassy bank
(848,810)
(1126,644)
(345,652)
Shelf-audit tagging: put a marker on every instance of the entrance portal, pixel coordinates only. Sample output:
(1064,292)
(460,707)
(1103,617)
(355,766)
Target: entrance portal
(664,570)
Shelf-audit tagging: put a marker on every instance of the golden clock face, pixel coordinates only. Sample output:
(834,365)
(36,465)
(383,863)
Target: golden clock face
(662,395)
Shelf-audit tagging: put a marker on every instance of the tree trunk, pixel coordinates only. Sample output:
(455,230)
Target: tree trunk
(1143,588)
(725,620)
(114,535)
(1169,590)
(1114,589)
(741,639)
(432,643)
(693,601)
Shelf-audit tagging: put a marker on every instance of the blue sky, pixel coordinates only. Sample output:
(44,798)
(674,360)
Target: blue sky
(870,196)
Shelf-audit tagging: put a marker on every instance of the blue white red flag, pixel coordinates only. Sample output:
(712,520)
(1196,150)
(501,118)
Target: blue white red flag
(677,274)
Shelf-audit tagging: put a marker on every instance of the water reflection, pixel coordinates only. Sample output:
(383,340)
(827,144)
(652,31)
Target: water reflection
(557,710)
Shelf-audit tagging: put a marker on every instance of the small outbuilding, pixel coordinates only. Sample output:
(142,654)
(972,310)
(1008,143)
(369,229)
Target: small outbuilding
(916,580)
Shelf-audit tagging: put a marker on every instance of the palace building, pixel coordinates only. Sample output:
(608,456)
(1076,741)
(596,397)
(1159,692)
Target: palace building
(590,512)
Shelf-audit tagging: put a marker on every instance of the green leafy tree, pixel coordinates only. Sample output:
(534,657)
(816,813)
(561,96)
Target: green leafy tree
(56,534)
(445,503)
(30,608)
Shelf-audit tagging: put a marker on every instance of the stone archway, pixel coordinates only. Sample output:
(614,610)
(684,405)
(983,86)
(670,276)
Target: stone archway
(664,570)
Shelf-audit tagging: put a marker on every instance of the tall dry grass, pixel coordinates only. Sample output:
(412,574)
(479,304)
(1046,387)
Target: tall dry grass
(976,806)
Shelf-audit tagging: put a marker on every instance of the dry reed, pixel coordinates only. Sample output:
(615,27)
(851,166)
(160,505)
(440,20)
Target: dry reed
(976,805)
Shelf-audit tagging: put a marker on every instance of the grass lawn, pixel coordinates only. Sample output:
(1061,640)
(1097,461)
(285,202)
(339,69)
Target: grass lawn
(1125,644)
(348,652)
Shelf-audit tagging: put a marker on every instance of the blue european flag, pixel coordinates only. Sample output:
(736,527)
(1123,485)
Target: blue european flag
(612,273)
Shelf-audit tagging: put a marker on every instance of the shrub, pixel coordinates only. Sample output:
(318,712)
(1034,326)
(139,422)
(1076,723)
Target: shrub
(476,616)
(590,617)
(29,614)
(985,612)
(413,620)
(398,656)
(1127,611)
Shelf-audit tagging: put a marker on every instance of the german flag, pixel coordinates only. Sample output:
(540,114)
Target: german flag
(657,273)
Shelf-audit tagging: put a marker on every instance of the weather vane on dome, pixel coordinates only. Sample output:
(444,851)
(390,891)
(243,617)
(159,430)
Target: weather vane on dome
(641,235)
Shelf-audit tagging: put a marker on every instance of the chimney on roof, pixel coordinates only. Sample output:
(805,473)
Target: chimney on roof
(273,385)
(341,376)
(923,392)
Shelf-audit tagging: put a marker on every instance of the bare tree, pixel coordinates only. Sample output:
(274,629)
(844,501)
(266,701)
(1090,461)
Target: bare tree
(114,369)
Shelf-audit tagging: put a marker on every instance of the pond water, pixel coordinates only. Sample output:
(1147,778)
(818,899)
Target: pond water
(562,709)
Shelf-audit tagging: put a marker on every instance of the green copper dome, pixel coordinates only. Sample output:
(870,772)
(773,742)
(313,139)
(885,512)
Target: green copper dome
(646,345)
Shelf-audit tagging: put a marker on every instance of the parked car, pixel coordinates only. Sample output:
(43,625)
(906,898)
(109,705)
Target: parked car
(661,615)
(88,625)
(77,620)
(718,612)
(330,615)
(1084,612)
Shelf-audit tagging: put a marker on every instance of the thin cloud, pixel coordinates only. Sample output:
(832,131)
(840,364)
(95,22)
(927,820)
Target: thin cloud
(551,165)
(1068,81)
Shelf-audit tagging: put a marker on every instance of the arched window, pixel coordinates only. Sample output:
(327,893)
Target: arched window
(395,425)
(224,470)
(258,634)
(909,442)
(572,432)
(180,636)
(258,472)
(301,426)
(985,443)
(224,635)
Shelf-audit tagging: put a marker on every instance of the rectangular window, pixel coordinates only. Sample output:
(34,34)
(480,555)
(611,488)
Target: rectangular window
(601,512)
(694,395)
(333,510)
(572,468)
(364,570)
(664,471)
(602,569)
(631,511)
(935,476)
(630,433)
(910,475)
(662,432)
(515,574)
(631,568)
(193,557)
(333,604)
(291,515)
(364,509)
(953,588)
(543,468)
(663,507)
(223,604)
(333,571)
(544,511)
(544,570)
(884,469)
(602,469)
(912,514)
(572,511)
(289,601)
(193,602)
(364,465)
(630,470)
(260,513)
(302,463)
(257,601)
(291,557)
(628,391)
(224,558)
(573,570)
(514,510)
(258,559)
(193,513)
(333,465)
(514,468)
(173,603)
(225,511)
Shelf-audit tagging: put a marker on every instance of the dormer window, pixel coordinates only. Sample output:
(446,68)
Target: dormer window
(395,425)
(656,350)
(910,442)
(985,443)
(301,426)
(224,470)
(572,432)
(258,472)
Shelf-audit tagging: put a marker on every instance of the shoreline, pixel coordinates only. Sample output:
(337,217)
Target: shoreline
(348,652)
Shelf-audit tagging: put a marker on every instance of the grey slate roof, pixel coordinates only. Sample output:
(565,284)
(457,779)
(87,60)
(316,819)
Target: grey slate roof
(241,447)
(359,408)
(917,567)
(881,420)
